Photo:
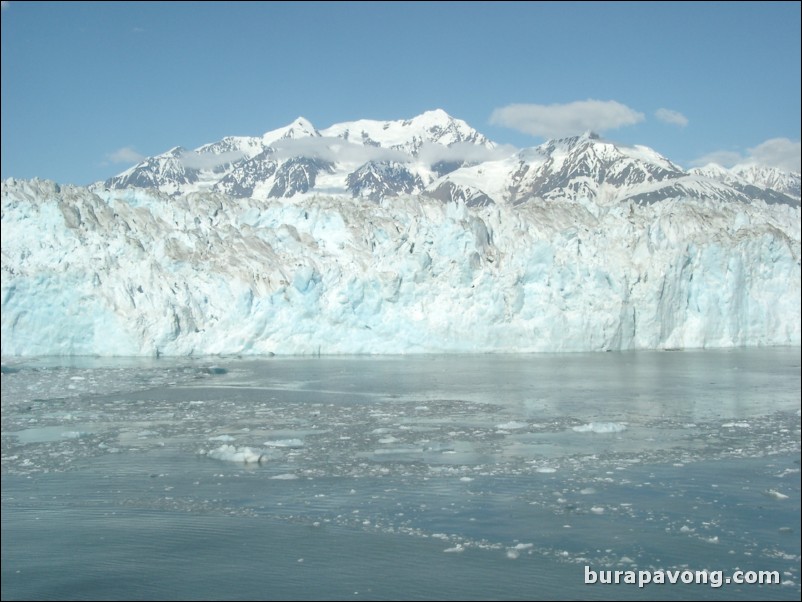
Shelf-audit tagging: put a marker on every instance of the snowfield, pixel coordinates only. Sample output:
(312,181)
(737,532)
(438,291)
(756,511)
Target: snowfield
(138,272)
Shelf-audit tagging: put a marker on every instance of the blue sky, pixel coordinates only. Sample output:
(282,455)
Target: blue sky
(87,88)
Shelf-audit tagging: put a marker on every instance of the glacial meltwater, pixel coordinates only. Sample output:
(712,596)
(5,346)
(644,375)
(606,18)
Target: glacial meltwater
(533,477)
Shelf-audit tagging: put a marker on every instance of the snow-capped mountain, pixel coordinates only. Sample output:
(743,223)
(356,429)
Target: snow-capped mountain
(754,181)
(376,180)
(589,169)
(167,172)
(300,128)
(443,158)
(360,158)
(771,178)
(411,135)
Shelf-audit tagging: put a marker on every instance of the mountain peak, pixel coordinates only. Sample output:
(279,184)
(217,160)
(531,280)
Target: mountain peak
(770,177)
(299,128)
(302,122)
(409,135)
(437,116)
(587,138)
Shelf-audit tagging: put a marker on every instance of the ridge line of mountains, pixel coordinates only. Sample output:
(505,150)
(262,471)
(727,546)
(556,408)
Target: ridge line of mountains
(438,156)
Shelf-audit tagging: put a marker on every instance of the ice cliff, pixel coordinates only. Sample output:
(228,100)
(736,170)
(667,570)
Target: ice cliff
(137,272)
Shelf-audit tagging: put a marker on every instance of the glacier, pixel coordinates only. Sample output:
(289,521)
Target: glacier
(138,272)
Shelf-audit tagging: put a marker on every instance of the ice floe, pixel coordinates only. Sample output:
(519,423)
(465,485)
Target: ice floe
(230,453)
(600,427)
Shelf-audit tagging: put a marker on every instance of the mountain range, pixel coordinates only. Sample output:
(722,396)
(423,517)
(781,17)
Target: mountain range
(439,156)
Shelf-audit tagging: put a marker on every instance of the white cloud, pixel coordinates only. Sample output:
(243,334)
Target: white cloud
(125,155)
(463,151)
(777,152)
(781,153)
(335,149)
(194,160)
(723,158)
(331,149)
(556,121)
(672,117)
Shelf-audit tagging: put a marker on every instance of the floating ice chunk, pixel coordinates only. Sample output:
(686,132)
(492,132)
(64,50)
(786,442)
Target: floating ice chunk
(229,453)
(292,443)
(397,450)
(466,479)
(601,427)
(546,469)
(737,425)
(774,494)
(597,510)
(626,560)
(457,549)
(389,439)
(74,434)
(443,448)
(222,438)
(288,476)
(512,425)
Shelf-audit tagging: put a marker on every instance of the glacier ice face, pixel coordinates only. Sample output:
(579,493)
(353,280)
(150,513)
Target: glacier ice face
(137,272)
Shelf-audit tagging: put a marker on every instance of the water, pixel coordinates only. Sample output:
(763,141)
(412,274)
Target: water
(430,477)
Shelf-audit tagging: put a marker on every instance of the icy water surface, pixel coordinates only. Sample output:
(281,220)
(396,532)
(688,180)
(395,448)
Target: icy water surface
(429,477)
